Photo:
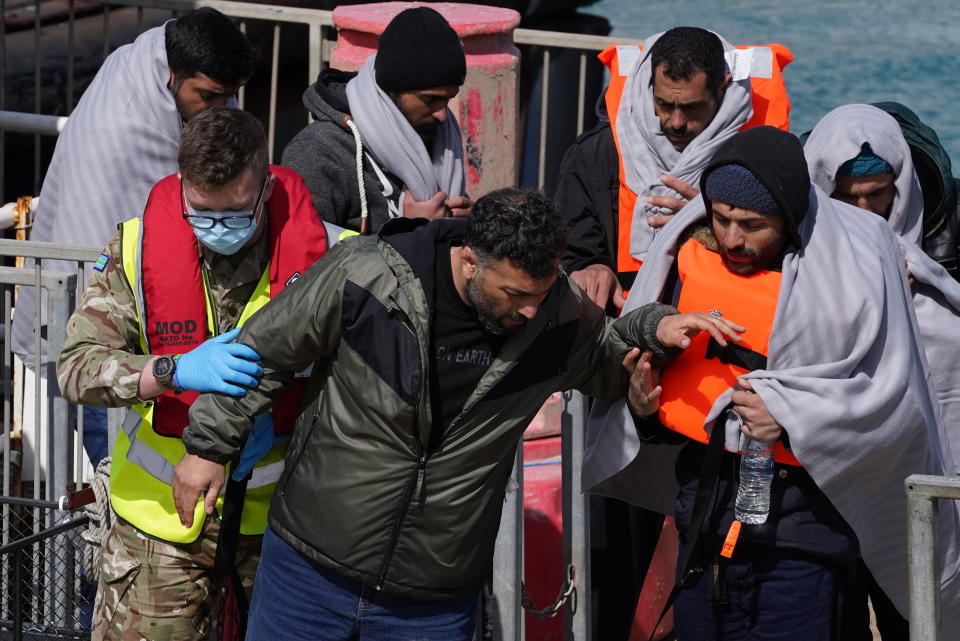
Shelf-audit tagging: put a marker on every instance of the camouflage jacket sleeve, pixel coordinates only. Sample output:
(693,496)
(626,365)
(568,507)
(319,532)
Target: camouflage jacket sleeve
(101,361)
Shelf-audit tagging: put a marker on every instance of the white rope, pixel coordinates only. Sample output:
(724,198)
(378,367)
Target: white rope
(101,519)
(359,162)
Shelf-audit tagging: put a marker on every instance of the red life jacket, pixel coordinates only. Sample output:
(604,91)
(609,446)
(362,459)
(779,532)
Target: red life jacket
(174,306)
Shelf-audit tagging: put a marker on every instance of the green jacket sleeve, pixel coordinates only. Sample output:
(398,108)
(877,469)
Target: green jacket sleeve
(607,342)
(296,329)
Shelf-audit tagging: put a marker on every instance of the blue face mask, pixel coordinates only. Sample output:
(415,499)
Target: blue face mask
(224,240)
(225,236)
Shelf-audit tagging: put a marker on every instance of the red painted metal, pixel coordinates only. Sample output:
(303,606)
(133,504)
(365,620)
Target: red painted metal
(656,587)
(542,535)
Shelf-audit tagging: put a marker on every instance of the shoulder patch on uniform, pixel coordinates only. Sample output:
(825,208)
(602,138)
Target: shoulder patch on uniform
(101,262)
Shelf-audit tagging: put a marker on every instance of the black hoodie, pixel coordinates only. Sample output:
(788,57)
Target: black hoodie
(776,158)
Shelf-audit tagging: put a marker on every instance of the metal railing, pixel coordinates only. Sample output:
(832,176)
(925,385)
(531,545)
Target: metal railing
(552,126)
(38,417)
(923,493)
(560,65)
(45,594)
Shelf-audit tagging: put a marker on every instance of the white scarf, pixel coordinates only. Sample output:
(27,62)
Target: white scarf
(398,147)
(647,154)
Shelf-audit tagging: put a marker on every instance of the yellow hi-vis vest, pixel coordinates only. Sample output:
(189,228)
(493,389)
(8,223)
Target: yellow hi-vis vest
(141,474)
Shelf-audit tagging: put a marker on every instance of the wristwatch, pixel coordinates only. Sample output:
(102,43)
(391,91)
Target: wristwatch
(163,369)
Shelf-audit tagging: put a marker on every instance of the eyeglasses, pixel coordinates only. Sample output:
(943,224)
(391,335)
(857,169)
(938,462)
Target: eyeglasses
(240,220)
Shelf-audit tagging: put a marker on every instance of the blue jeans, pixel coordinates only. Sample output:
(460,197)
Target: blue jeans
(772,597)
(95,434)
(295,599)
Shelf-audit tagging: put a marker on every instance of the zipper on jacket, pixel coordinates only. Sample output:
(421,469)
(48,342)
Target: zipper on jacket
(414,487)
(415,484)
(296,461)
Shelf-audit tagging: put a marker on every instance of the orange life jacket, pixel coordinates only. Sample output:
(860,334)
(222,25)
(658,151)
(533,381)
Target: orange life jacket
(771,106)
(705,370)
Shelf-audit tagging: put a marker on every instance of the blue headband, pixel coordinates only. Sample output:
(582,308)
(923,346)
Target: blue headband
(866,163)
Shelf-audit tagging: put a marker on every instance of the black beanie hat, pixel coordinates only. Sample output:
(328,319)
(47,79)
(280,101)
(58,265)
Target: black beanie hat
(419,50)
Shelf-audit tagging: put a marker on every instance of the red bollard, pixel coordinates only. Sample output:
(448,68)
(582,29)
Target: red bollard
(487,104)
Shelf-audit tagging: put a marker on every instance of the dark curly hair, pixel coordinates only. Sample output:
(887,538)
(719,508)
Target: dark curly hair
(208,42)
(521,225)
(687,50)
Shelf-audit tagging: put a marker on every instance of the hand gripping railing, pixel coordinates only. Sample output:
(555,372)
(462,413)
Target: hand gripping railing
(923,582)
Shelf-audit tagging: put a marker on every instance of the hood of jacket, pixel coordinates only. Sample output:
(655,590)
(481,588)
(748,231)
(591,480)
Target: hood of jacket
(776,158)
(326,99)
(931,162)
(410,236)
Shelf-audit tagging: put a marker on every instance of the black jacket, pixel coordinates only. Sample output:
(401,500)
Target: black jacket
(941,191)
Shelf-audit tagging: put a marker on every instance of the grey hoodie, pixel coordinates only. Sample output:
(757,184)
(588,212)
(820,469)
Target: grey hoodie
(325,154)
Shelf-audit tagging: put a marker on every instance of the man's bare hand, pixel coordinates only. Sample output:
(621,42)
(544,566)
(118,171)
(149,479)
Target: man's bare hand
(459,207)
(433,208)
(195,476)
(687,192)
(676,330)
(644,391)
(756,420)
(600,285)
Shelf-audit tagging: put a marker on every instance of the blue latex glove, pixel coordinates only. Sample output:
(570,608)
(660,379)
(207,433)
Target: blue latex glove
(259,442)
(217,365)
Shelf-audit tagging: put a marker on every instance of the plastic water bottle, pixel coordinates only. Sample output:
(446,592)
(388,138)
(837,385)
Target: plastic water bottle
(756,474)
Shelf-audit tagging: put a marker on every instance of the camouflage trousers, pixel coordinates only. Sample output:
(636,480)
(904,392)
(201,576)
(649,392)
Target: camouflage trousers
(157,591)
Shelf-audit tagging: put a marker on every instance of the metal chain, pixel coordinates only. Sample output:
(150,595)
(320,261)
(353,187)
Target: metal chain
(568,591)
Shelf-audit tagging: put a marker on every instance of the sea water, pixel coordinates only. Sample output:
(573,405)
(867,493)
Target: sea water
(844,51)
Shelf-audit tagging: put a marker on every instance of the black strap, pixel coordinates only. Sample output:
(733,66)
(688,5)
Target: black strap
(225,560)
(690,571)
(736,355)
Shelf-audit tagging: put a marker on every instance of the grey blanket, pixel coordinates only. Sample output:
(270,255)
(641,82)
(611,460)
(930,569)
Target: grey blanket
(398,147)
(647,154)
(846,378)
(936,295)
(120,140)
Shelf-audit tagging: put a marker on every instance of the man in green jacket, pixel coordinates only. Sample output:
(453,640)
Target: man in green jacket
(432,347)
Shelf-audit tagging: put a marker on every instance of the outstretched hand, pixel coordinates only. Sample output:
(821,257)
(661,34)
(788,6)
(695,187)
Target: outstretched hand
(676,330)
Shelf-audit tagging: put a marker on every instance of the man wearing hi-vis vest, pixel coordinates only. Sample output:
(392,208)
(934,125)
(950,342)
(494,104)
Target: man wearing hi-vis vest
(215,243)
(830,371)
(669,105)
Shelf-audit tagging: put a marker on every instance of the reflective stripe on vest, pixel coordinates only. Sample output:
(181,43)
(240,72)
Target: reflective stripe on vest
(143,459)
(771,106)
(692,383)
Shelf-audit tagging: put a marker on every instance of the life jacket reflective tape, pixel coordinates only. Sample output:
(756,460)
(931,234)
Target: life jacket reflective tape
(692,383)
(771,106)
(160,259)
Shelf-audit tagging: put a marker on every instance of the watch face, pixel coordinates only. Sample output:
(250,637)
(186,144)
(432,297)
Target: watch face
(162,367)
